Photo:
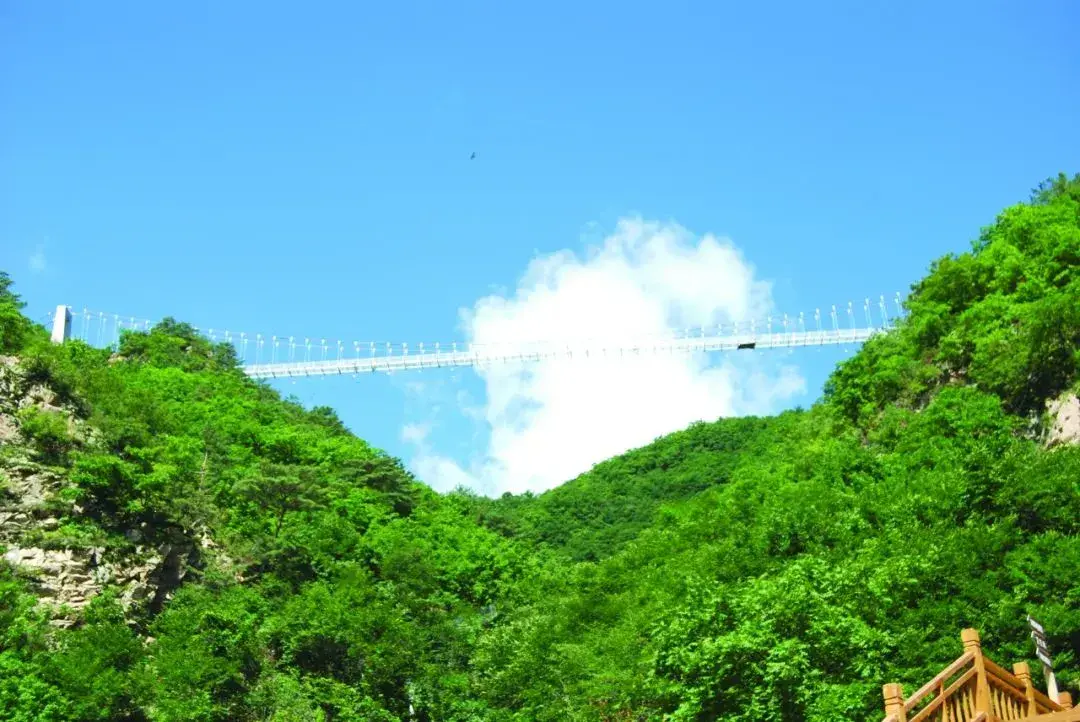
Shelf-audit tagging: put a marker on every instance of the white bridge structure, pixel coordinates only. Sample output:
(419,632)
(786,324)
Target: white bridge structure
(478,355)
(270,357)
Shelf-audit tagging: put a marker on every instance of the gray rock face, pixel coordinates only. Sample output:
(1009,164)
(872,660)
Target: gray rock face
(1064,420)
(10,380)
(30,507)
(61,577)
(27,486)
(72,577)
(9,432)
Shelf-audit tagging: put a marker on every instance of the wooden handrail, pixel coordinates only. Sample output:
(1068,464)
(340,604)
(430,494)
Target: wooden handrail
(1003,675)
(936,681)
(929,709)
(1043,700)
(1008,688)
(987,692)
(1067,715)
(1009,703)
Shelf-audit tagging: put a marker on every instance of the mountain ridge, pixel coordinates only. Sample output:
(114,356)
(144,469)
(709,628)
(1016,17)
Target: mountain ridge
(248,559)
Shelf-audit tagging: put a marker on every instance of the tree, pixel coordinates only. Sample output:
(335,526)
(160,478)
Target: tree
(14,327)
(279,489)
(746,569)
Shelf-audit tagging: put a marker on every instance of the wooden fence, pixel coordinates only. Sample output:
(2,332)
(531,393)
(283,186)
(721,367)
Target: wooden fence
(974,689)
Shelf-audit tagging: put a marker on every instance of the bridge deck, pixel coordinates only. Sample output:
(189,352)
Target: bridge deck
(486,355)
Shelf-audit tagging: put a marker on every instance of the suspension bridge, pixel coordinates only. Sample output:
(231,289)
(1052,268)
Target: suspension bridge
(272,356)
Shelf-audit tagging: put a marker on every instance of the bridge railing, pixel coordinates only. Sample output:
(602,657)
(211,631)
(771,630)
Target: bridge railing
(973,689)
(483,356)
(274,356)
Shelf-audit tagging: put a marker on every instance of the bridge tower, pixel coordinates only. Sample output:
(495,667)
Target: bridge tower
(61,329)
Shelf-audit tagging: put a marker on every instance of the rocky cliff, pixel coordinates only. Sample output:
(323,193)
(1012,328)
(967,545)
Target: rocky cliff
(1063,425)
(49,537)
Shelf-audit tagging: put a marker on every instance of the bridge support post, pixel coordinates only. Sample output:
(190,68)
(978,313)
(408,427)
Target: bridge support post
(61,330)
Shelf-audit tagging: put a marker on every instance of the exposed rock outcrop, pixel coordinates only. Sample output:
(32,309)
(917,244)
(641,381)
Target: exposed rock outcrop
(9,432)
(72,577)
(61,578)
(66,576)
(1064,427)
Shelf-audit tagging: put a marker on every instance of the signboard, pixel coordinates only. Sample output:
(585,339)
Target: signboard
(1042,651)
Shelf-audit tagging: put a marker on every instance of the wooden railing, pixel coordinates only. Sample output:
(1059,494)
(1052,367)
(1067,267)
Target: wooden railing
(973,689)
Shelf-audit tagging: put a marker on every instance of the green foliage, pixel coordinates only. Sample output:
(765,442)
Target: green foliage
(95,664)
(324,593)
(70,534)
(15,329)
(48,432)
(1004,317)
(278,489)
(171,344)
(87,673)
(747,569)
(608,506)
(206,655)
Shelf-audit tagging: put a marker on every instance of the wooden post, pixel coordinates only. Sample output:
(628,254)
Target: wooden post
(894,702)
(970,638)
(1051,681)
(1023,673)
(1065,700)
(1042,651)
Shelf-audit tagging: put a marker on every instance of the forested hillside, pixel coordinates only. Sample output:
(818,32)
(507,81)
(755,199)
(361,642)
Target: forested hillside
(596,514)
(229,555)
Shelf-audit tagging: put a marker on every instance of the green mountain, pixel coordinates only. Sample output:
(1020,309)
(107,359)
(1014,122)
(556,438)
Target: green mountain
(597,513)
(183,544)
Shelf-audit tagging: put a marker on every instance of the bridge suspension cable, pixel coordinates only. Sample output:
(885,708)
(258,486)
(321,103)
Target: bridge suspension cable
(273,356)
(488,355)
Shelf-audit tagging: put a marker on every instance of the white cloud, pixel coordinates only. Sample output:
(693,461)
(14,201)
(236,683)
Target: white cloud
(38,262)
(551,420)
(442,473)
(415,433)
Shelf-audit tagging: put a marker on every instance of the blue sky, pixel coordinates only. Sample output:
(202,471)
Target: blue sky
(265,168)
